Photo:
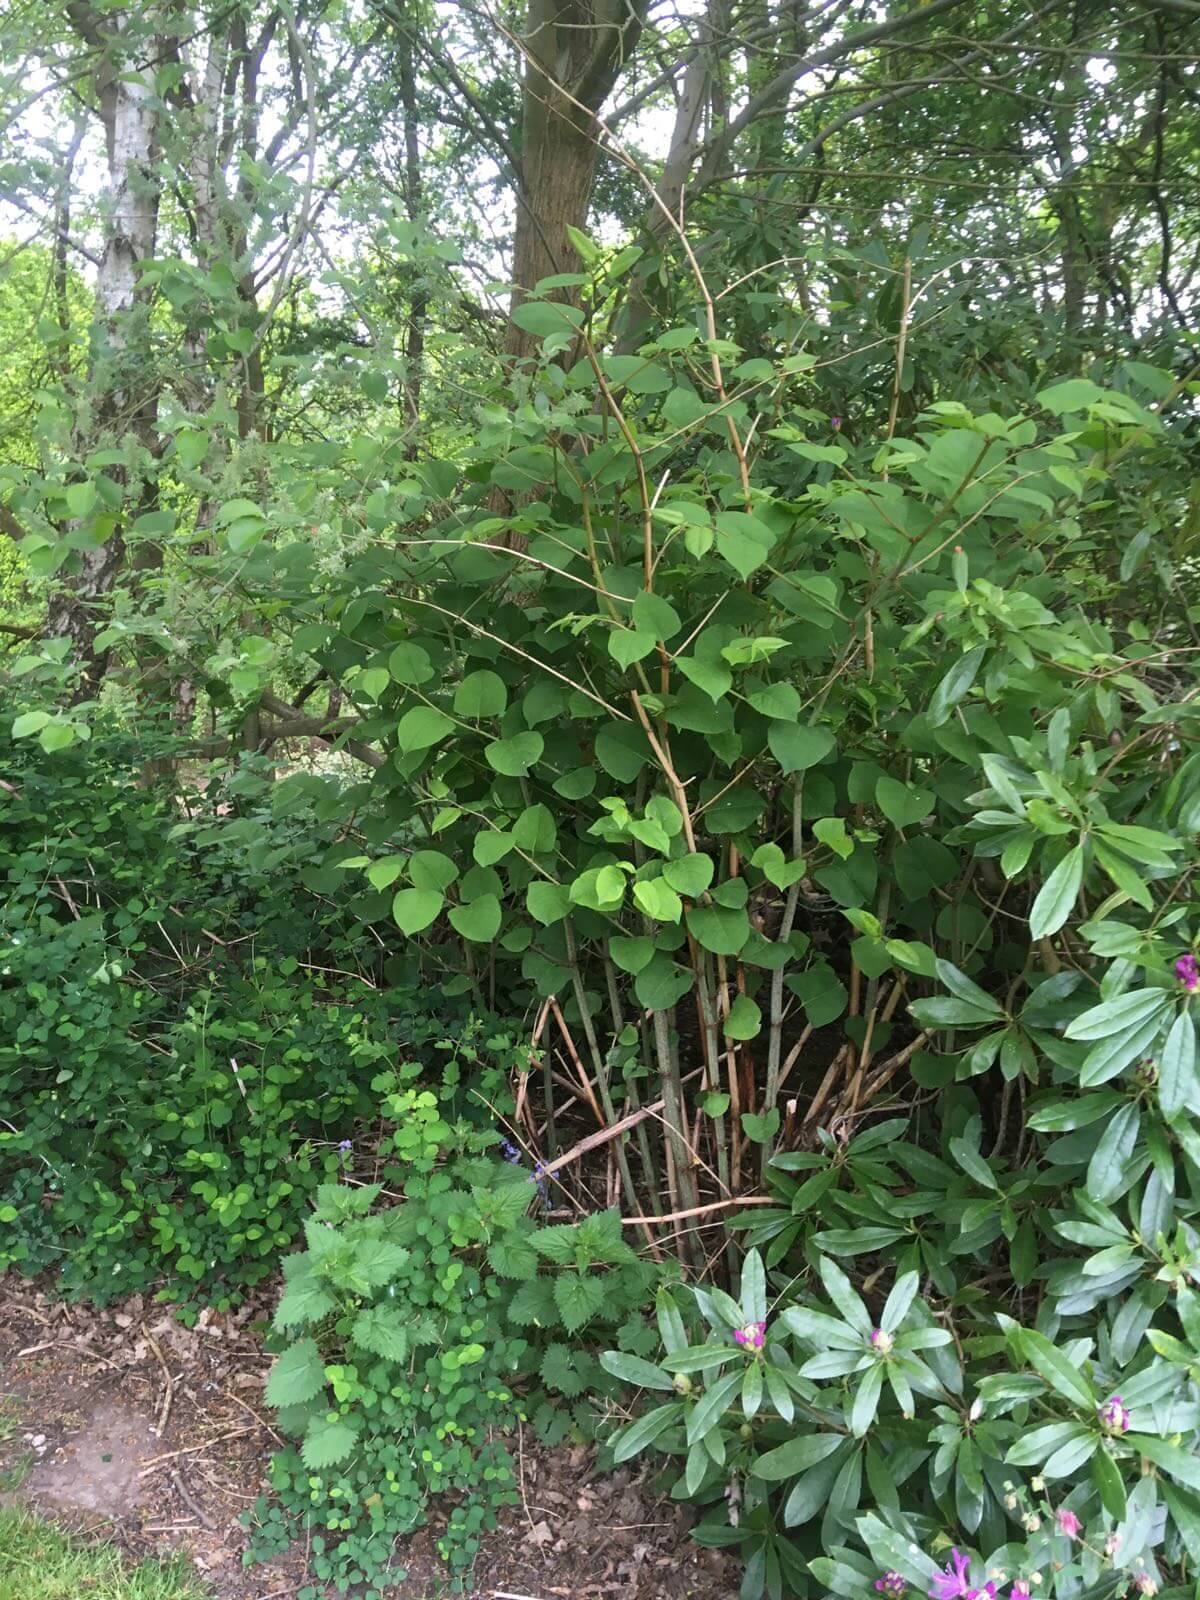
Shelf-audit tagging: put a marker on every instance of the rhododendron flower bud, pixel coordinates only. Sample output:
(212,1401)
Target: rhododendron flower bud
(1114,1415)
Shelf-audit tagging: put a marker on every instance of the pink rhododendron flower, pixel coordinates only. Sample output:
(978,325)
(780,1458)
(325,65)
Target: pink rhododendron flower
(955,1583)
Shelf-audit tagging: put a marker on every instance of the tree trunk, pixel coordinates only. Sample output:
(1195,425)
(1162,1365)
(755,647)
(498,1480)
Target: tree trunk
(574,52)
(414,340)
(124,399)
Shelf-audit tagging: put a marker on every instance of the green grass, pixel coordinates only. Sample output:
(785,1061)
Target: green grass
(14,1467)
(39,1563)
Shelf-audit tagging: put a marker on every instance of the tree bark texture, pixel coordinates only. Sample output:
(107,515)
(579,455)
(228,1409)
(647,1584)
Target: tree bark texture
(574,53)
(123,402)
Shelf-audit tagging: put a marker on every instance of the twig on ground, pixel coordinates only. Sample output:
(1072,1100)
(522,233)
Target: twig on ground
(193,1505)
(165,1409)
(171,1455)
(229,1394)
(521,1472)
(63,1344)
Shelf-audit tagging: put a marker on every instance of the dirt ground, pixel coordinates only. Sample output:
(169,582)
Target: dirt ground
(126,1424)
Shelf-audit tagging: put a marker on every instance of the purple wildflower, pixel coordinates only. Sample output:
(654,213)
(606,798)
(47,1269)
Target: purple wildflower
(1187,970)
(1020,1590)
(835,423)
(892,1585)
(346,1146)
(1114,1415)
(752,1337)
(510,1151)
(1068,1523)
(955,1583)
(881,1342)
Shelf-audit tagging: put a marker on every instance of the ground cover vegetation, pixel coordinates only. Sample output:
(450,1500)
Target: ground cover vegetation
(599,755)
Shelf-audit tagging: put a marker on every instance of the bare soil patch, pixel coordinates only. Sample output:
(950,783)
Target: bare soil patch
(125,1424)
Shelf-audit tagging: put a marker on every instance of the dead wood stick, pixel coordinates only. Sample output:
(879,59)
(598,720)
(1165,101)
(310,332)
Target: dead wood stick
(63,1344)
(193,1449)
(602,1136)
(193,1505)
(827,1083)
(266,1426)
(700,1210)
(584,1080)
(165,1409)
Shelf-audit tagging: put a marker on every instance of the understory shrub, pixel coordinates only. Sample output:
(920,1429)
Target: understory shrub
(416,1336)
(187,1033)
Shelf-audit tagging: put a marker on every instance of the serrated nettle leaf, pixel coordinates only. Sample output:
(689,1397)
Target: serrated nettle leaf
(297,1375)
(329,1439)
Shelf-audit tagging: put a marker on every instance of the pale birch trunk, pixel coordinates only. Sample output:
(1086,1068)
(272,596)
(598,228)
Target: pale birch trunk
(121,391)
